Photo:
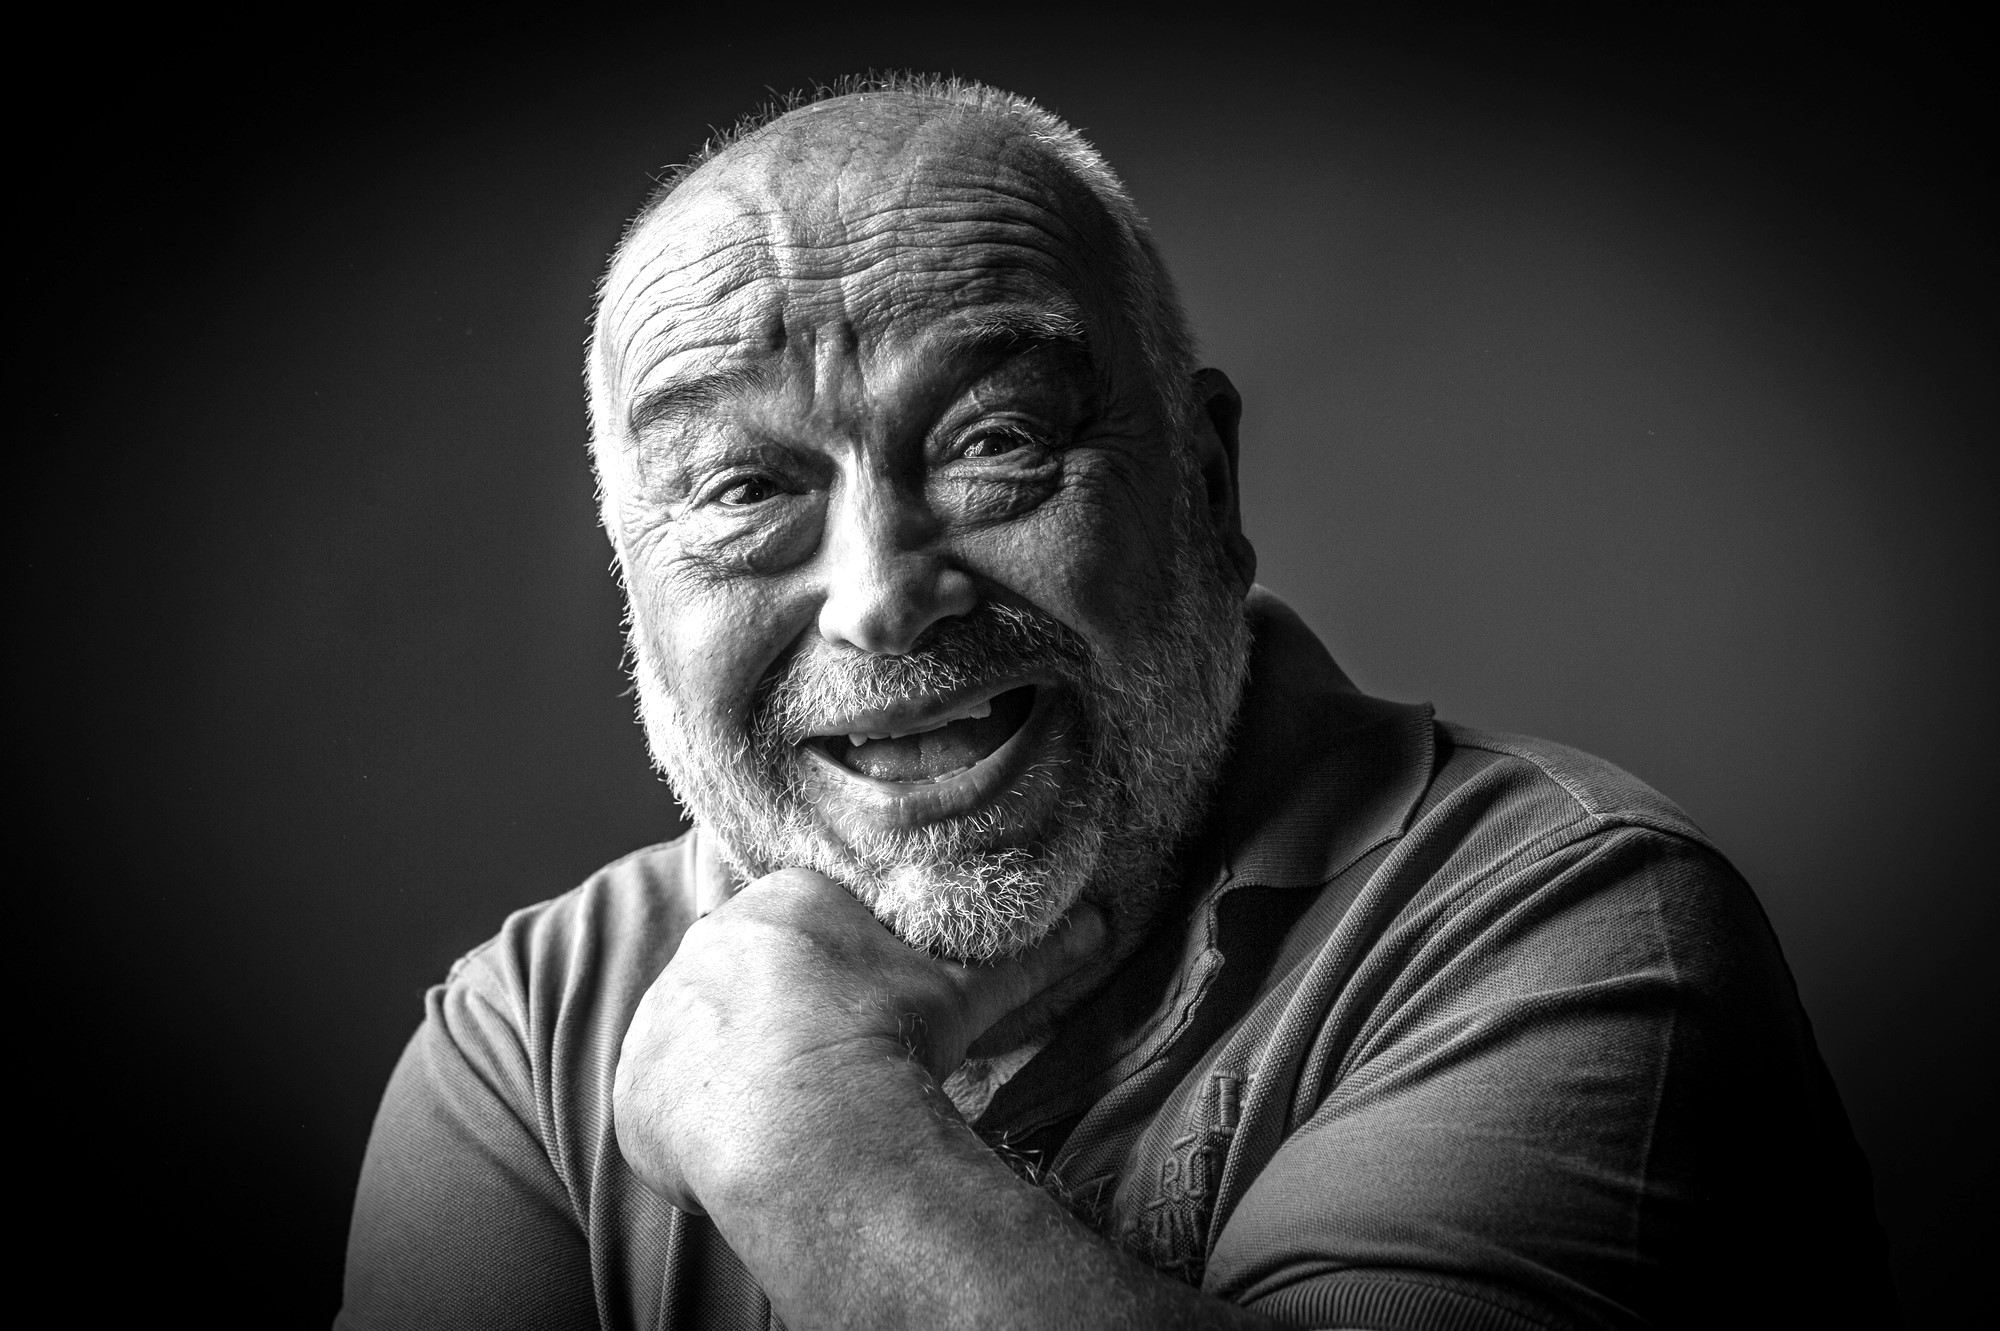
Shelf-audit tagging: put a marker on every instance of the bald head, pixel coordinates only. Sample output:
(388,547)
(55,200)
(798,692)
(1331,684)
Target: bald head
(843,189)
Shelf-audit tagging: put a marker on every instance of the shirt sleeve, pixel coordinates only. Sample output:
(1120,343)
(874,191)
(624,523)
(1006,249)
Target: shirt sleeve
(1583,1094)
(461,1219)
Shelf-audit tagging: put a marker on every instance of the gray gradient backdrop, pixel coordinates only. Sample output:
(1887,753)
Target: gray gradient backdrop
(1631,386)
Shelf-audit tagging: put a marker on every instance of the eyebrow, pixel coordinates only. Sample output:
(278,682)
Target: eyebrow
(684,398)
(1012,330)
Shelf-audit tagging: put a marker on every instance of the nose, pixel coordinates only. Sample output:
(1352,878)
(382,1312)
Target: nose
(886,581)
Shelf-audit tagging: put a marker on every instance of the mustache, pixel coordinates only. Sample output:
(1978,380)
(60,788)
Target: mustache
(992,642)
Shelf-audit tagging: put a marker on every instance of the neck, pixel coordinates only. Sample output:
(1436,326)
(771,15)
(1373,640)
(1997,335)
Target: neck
(714,880)
(1030,1025)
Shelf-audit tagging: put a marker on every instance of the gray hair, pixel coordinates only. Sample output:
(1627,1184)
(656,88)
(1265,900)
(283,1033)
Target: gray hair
(1144,288)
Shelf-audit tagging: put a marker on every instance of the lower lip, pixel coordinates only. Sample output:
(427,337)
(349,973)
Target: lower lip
(905,804)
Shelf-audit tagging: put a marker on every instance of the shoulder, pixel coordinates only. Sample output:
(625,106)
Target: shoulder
(494,1151)
(1545,860)
(525,1030)
(1506,811)
(589,953)
(1564,785)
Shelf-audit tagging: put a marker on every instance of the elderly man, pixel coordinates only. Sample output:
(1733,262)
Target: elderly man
(1061,938)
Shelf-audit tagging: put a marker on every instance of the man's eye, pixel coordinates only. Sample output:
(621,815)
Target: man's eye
(749,490)
(995,443)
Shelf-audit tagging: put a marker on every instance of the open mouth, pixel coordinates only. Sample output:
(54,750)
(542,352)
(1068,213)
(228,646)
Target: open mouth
(938,749)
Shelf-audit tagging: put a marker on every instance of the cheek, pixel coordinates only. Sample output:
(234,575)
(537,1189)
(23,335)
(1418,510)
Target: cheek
(713,638)
(1096,555)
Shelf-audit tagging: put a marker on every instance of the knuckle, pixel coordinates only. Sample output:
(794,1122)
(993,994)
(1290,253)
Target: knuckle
(705,939)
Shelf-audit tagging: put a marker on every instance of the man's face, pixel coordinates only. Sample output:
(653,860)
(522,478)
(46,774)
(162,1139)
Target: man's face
(924,592)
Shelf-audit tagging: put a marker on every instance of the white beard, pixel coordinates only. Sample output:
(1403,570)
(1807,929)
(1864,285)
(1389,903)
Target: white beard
(1154,729)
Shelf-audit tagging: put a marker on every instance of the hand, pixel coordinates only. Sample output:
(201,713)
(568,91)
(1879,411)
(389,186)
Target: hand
(791,1010)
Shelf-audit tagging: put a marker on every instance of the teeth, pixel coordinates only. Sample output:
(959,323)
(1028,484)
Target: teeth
(976,712)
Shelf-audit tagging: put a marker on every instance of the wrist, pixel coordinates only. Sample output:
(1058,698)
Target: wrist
(822,1115)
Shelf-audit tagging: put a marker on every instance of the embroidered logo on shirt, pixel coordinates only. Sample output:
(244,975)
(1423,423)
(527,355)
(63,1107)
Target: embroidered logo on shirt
(1171,1229)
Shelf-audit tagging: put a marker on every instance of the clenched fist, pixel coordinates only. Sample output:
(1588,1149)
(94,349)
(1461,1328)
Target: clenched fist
(790,1021)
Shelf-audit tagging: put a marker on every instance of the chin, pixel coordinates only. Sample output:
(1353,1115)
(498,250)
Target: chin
(982,906)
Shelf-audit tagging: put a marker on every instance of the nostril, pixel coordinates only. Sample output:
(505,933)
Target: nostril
(885,623)
(880,598)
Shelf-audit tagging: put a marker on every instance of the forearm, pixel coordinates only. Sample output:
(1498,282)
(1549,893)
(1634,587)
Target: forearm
(769,1078)
(900,1217)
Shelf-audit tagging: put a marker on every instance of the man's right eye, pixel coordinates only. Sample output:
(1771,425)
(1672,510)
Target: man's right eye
(747,490)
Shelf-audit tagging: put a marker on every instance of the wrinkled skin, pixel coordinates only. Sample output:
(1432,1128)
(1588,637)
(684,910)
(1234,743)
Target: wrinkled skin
(827,438)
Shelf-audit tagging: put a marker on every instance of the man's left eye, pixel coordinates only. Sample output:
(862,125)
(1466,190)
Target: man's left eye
(995,443)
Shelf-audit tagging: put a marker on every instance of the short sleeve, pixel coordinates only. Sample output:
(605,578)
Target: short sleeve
(1589,1098)
(460,1219)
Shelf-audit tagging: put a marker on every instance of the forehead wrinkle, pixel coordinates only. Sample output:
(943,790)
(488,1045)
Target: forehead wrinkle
(753,204)
(1005,324)
(729,263)
(876,277)
(944,243)
(766,313)
(648,326)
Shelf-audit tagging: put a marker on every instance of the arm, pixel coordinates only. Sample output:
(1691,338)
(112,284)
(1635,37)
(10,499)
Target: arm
(783,1074)
(460,1219)
(1579,1093)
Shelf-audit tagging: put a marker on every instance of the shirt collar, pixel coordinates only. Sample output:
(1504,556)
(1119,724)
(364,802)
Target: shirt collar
(1321,773)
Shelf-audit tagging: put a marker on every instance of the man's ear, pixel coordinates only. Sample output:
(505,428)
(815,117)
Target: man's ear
(1215,448)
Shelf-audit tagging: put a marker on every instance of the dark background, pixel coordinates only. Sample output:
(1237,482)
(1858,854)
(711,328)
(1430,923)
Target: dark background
(1628,382)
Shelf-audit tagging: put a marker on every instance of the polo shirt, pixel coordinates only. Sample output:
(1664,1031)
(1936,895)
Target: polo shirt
(1444,1029)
